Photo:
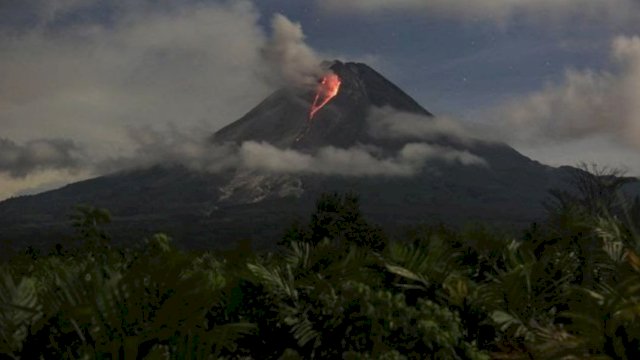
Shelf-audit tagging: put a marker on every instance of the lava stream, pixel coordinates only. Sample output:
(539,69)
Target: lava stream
(327,90)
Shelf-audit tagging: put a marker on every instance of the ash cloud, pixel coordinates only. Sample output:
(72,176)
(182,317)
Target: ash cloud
(20,160)
(197,64)
(67,73)
(290,60)
(585,104)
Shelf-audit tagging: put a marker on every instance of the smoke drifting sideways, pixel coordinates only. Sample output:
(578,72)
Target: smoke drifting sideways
(33,163)
(134,72)
(175,146)
(292,63)
(136,88)
(171,147)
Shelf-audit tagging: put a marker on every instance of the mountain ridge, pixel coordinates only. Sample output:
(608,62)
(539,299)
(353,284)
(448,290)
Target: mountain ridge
(283,115)
(204,209)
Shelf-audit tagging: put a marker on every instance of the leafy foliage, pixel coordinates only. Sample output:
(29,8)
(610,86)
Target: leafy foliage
(568,288)
(338,217)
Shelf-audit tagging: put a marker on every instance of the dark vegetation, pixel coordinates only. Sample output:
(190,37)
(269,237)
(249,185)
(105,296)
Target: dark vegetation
(338,287)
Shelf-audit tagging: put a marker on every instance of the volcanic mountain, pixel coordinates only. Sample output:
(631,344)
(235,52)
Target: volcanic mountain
(281,118)
(203,209)
(448,192)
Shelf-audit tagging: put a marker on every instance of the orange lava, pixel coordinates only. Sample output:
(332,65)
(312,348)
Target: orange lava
(327,90)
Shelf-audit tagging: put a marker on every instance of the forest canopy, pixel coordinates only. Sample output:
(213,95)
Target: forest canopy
(337,286)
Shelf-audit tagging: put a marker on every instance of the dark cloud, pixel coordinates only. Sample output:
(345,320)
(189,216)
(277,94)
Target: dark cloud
(20,160)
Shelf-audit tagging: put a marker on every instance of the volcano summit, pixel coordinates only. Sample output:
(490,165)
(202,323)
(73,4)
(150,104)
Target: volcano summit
(356,132)
(342,122)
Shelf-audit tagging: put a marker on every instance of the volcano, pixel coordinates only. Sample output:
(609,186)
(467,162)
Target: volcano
(342,122)
(208,210)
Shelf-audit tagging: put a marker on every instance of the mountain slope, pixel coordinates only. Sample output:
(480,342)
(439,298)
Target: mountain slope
(213,210)
(283,116)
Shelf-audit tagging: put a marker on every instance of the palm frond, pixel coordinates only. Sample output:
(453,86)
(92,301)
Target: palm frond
(19,308)
(278,280)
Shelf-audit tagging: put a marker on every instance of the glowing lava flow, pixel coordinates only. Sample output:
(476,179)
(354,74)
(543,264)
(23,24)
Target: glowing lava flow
(327,90)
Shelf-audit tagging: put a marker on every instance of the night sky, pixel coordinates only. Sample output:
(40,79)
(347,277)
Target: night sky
(85,84)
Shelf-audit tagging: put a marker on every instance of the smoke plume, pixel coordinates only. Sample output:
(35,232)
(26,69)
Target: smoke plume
(291,61)
(143,65)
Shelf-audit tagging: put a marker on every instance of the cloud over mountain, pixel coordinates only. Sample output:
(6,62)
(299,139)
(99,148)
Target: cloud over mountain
(584,104)
(174,147)
(92,78)
(146,65)
(387,122)
(355,161)
(19,160)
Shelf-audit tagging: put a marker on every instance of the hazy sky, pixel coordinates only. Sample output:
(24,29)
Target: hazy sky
(84,83)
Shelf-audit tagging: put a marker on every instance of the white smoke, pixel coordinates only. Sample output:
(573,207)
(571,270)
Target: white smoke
(191,63)
(291,61)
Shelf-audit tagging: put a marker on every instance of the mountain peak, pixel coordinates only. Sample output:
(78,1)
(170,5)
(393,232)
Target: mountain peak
(358,78)
(198,206)
(283,118)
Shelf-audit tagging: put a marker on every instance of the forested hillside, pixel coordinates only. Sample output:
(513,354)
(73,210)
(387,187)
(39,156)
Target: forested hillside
(338,287)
